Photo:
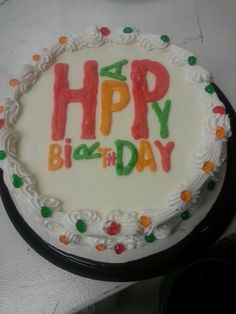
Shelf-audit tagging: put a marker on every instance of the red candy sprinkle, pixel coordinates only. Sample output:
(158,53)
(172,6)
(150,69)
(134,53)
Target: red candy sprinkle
(219,109)
(119,248)
(1,123)
(105,31)
(113,228)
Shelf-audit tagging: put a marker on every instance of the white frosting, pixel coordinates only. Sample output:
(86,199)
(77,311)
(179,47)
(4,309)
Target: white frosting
(186,89)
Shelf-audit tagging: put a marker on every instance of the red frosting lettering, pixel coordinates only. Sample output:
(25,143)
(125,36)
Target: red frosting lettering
(165,152)
(142,95)
(87,96)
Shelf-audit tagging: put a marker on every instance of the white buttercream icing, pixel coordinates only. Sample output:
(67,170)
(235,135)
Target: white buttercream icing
(210,148)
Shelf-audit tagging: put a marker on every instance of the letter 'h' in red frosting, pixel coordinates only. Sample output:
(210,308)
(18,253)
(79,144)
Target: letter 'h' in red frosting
(87,96)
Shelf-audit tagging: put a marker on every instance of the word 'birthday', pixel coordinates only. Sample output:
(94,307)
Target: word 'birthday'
(87,98)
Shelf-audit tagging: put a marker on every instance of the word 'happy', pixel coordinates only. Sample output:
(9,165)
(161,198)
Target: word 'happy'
(140,157)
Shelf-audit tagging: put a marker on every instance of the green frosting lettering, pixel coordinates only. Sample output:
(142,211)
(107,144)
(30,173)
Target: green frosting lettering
(114,70)
(84,152)
(121,169)
(163,116)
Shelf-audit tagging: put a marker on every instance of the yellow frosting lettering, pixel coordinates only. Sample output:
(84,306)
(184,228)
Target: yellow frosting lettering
(55,161)
(103,151)
(145,157)
(108,89)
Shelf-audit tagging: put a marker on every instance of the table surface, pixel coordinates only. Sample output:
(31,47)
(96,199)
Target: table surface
(29,283)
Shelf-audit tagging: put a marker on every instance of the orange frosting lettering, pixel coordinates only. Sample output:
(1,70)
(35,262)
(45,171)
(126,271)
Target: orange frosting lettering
(108,106)
(142,94)
(55,161)
(87,96)
(103,151)
(145,157)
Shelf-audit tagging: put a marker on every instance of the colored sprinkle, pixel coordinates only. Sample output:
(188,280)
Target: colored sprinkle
(1,109)
(17,181)
(165,38)
(150,238)
(36,58)
(100,247)
(220,132)
(119,248)
(128,30)
(209,89)
(3,154)
(105,31)
(68,140)
(63,40)
(113,228)
(185,215)
(218,109)
(211,185)
(186,196)
(63,238)
(14,82)
(46,212)
(145,221)
(81,226)
(208,166)
(2,122)
(192,60)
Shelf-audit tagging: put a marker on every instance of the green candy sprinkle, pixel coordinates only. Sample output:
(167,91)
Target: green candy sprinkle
(165,38)
(211,185)
(192,60)
(150,238)
(81,226)
(46,212)
(3,154)
(17,181)
(128,30)
(209,89)
(185,215)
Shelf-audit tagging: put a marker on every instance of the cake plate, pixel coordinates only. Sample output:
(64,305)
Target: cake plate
(187,249)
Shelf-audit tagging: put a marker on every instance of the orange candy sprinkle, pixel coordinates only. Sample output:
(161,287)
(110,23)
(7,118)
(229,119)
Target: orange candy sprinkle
(100,247)
(36,58)
(220,132)
(14,82)
(186,196)
(208,166)
(63,238)
(145,221)
(1,109)
(63,40)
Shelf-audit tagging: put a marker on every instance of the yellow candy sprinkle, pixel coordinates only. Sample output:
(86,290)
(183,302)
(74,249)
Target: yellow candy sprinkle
(63,40)
(145,221)
(1,109)
(220,132)
(63,238)
(36,58)
(186,196)
(208,166)
(14,82)
(100,247)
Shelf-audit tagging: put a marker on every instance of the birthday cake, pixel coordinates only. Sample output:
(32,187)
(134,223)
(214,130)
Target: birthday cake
(110,138)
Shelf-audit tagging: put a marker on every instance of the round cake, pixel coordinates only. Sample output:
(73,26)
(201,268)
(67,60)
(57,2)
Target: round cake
(109,140)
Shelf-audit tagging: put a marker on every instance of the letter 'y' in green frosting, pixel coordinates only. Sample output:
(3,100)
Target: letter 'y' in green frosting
(163,116)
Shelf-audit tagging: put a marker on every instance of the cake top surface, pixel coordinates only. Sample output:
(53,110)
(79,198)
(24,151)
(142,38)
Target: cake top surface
(118,133)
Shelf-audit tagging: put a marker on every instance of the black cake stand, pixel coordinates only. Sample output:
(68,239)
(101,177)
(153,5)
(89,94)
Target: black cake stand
(185,251)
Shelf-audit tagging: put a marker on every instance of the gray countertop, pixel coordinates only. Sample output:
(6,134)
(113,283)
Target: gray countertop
(29,283)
